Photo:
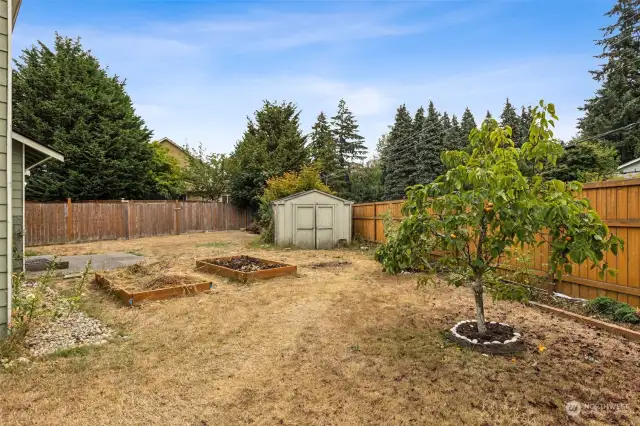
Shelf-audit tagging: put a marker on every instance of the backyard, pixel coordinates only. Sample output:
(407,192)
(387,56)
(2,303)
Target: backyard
(340,343)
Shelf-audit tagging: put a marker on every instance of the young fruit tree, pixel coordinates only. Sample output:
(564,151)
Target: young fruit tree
(483,209)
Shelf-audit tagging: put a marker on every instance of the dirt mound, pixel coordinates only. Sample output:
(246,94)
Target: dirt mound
(246,264)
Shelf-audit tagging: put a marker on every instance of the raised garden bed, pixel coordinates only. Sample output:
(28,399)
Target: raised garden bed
(154,281)
(245,268)
(500,338)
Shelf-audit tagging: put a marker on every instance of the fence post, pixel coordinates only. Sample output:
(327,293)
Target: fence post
(125,218)
(176,210)
(375,223)
(69,221)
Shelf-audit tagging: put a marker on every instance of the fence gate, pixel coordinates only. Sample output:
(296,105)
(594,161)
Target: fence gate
(314,226)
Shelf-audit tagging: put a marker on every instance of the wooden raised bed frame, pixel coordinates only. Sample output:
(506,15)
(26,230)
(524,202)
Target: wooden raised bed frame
(132,298)
(206,265)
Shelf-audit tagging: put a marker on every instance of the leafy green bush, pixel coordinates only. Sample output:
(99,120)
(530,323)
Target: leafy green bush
(613,309)
(282,186)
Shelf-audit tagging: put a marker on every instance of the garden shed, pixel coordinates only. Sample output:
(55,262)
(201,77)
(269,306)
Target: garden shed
(312,220)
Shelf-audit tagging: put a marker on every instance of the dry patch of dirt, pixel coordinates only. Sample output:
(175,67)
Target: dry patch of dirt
(245,264)
(330,346)
(329,264)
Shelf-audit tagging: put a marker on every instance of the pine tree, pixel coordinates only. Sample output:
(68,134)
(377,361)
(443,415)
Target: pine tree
(322,148)
(526,117)
(430,147)
(453,137)
(64,99)
(510,118)
(446,122)
(349,144)
(400,158)
(467,124)
(616,104)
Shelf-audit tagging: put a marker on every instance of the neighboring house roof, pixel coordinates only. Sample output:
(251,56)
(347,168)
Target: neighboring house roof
(631,163)
(169,141)
(35,153)
(298,194)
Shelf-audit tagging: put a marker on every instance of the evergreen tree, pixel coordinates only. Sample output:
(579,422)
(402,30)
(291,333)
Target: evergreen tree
(510,118)
(616,104)
(526,117)
(271,145)
(400,155)
(322,149)
(429,148)
(446,123)
(584,161)
(349,144)
(467,124)
(64,99)
(453,137)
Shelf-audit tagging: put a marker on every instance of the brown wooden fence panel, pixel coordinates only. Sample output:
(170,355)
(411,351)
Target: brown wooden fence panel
(59,223)
(617,202)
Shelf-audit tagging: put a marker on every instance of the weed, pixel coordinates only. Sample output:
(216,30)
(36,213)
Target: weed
(135,252)
(77,351)
(215,244)
(79,287)
(31,253)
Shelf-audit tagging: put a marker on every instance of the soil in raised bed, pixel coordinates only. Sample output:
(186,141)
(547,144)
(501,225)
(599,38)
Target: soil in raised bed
(246,264)
(495,332)
(147,276)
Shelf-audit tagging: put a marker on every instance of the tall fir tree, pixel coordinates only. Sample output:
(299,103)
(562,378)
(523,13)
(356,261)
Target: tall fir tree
(63,98)
(510,118)
(400,158)
(271,145)
(453,137)
(322,148)
(616,104)
(526,118)
(467,124)
(349,144)
(430,147)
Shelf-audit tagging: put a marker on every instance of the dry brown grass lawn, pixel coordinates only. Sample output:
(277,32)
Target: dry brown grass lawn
(335,345)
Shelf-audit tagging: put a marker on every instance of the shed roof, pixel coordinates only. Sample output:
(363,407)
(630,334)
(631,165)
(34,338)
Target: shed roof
(34,152)
(630,163)
(298,194)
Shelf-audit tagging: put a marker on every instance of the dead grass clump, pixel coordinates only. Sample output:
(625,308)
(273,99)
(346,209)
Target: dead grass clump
(331,264)
(170,281)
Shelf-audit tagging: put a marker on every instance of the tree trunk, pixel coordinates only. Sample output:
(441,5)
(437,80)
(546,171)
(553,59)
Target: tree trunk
(477,292)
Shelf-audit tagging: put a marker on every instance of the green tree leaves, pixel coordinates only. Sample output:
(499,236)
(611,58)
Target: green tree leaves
(483,207)
(63,98)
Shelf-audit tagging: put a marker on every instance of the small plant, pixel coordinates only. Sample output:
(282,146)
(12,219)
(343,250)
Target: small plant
(614,310)
(31,253)
(79,287)
(27,304)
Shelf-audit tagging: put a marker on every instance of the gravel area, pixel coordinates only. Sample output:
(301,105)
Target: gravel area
(67,328)
(67,331)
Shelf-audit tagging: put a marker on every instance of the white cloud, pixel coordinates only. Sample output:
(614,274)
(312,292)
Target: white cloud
(198,80)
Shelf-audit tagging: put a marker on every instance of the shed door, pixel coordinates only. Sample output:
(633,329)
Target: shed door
(324,226)
(304,219)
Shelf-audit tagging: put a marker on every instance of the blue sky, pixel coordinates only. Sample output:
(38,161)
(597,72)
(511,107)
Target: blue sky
(196,69)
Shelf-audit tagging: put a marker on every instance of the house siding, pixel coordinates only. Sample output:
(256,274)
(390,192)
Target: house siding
(177,153)
(5,117)
(17,205)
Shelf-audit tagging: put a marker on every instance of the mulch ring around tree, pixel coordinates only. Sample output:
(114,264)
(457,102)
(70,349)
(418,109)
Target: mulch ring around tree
(246,264)
(499,339)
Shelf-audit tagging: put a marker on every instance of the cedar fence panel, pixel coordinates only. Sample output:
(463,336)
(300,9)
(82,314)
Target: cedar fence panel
(617,202)
(65,222)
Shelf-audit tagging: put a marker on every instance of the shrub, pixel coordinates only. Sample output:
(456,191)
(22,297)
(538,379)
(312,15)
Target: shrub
(613,309)
(282,186)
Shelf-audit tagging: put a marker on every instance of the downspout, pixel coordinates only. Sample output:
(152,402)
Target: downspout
(9,188)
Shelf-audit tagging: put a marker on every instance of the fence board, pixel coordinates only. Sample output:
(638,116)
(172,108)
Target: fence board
(617,202)
(55,223)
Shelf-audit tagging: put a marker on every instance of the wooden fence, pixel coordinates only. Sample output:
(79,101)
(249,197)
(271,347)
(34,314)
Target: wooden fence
(59,223)
(617,202)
